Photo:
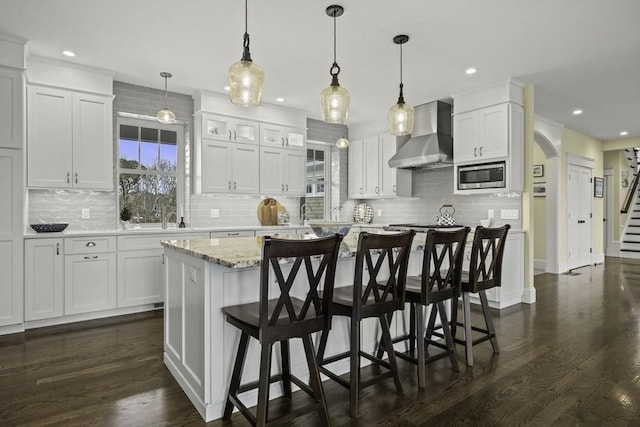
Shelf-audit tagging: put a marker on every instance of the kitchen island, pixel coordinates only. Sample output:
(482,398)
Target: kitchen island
(202,276)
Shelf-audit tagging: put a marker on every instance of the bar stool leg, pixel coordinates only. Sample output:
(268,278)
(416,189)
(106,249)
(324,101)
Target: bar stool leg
(488,321)
(468,338)
(286,368)
(314,379)
(354,375)
(263,384)
(454,317)
(238,367)
(448,337)
(386,336)
(419,320)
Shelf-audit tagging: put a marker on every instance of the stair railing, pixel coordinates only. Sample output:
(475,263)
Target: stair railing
(629,197)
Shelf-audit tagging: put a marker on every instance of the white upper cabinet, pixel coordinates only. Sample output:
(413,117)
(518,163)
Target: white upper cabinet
(481,135)
(370,176)
(11,102)
(223,128)
(282,172)
(282,136)
(69,139)
(230,168)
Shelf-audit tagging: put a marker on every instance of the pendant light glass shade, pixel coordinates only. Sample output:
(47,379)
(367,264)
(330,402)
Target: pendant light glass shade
(334,99)
(165,115)
(246,79)
(342,143)
(401,114)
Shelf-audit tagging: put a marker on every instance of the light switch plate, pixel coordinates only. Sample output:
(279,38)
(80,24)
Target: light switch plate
(490,213)
(86,213)
(215,213)
(379,212)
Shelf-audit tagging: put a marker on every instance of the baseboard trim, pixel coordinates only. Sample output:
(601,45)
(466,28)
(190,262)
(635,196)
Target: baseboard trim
(597,258)
(529,295)
(540,264)
(12,329)
(87,316)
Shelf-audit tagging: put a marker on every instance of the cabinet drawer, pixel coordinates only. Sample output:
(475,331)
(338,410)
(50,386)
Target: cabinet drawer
(88,245)
(242,233)
(128,243)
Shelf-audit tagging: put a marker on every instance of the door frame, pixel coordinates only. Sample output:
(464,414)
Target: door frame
(611,246)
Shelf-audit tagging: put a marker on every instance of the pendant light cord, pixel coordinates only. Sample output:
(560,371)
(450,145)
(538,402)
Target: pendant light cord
(334,37)
(335,68)
(401,96)
(166,104)
(246,55)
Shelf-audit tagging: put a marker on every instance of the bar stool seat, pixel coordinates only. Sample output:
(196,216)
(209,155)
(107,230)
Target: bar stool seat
(485,272)
(296,311)
(369,297)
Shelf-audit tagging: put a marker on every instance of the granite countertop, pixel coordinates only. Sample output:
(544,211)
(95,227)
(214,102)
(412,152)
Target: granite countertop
(245,252)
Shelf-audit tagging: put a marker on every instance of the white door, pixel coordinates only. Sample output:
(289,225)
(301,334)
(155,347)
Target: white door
(578,216)
(608,215)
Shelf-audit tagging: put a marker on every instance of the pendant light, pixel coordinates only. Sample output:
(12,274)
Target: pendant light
(165,115)
(334,99)
(401,114)
(342,143)
(246,78)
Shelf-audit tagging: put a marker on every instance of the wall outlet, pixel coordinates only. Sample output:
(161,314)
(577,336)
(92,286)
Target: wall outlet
(490,213)
(509,214)
(215,213)
(86,213)
(379,212)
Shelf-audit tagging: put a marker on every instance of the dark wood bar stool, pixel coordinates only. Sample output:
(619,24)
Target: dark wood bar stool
(485,272)
(438,283)
(285,317)
(367,298)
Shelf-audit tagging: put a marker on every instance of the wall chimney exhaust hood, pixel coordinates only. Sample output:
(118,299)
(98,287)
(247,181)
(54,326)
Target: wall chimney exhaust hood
(431,143)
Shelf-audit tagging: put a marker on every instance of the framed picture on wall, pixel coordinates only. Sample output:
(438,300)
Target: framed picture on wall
(539,189)
(538,170)
(598,187)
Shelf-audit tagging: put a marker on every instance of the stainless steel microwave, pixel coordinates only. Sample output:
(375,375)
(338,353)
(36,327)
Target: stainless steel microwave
(485,175)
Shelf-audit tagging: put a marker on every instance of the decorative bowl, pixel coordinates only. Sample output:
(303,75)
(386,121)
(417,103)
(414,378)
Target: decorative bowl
(327,228)
(48,228)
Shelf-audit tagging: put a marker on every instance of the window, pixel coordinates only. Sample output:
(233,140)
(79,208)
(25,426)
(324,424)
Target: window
(149,169)
(317,191)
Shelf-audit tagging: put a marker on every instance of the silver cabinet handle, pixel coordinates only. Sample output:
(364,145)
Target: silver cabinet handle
(475,151)
(360,190)
(376,189)
(234,185)
(229,135)
(75,177)
(282,187)
(233,234)
(480,151)
(287,140)
(229,185)
(90,244)
(57,248)
(91,257)
(235,136)
(394,188)
(282,139)
(68,177)
(287,187)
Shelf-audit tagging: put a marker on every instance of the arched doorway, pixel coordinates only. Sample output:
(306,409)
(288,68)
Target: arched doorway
(546,209)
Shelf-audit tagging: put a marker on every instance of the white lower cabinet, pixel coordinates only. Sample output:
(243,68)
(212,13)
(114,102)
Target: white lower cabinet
(90,282)
(43,279)
(140,266)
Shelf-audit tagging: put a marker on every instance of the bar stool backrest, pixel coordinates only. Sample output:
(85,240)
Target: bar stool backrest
(284,319)
(442,264)
(485,267)
(380,295)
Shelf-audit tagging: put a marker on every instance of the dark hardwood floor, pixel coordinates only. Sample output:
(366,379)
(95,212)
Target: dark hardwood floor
(571,359)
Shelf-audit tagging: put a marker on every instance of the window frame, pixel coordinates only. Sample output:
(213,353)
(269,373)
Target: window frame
(180,174)
(326,148)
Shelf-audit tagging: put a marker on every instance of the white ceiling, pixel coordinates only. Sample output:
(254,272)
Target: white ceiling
(577,53)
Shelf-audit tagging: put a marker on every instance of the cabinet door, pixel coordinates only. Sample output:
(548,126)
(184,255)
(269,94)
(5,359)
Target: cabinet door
(216,166)
(92,142)
(295,171)
(217,127)
(140,279)
(246,169)
(90,283)
(371,167)
(356,169)
(49,137)
(11,102)
(43,279)
(11,264)
(494,132)
(465,135)
(295,139)
(387,181)
(271,171)
(272,135)
(245,131)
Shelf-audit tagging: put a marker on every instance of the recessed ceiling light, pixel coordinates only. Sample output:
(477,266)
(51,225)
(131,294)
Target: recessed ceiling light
(577,112)
(68,53)
(280,99)
(624,133)
(227,88)
(470,70)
